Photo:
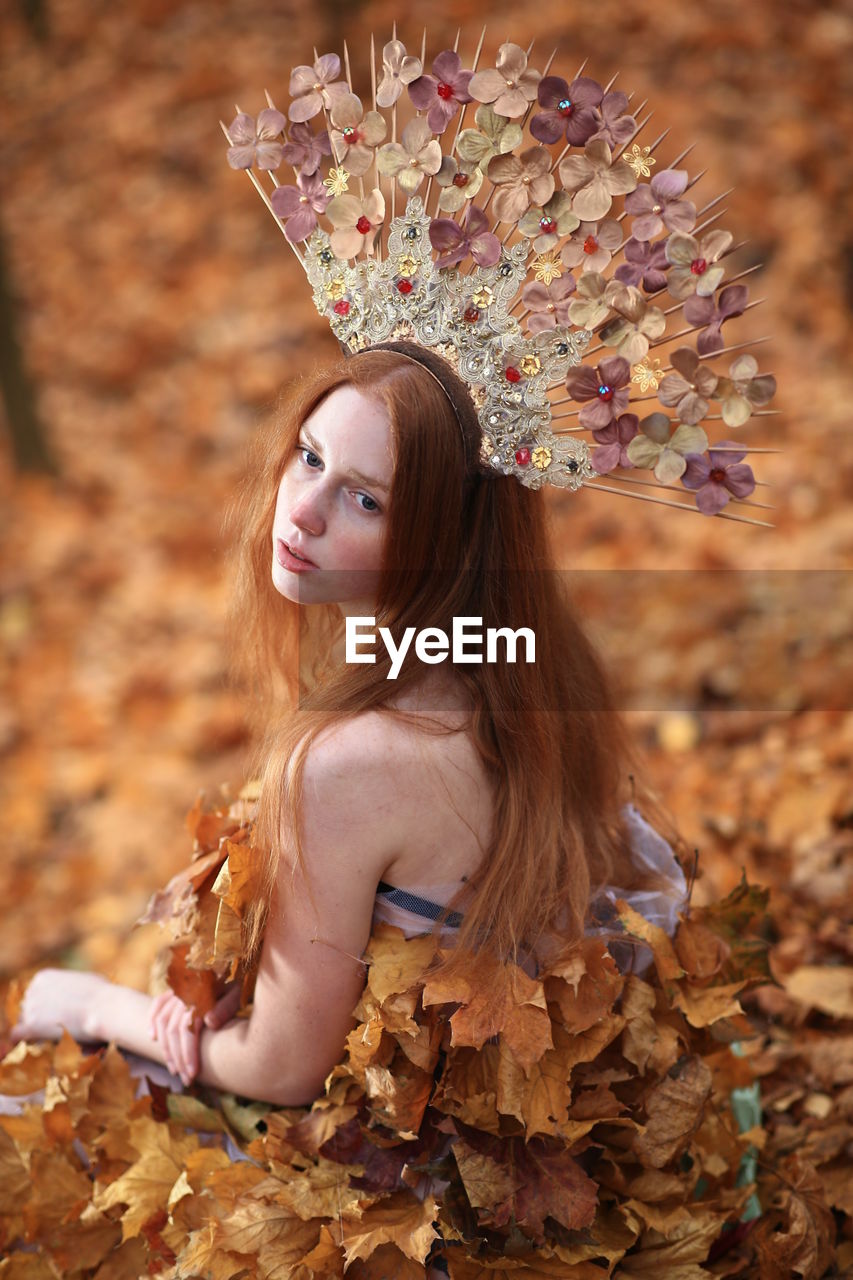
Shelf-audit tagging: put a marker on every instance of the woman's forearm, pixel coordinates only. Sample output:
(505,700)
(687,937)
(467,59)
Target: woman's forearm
(228,1061)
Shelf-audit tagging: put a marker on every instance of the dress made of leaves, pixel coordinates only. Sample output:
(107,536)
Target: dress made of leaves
(580,1123)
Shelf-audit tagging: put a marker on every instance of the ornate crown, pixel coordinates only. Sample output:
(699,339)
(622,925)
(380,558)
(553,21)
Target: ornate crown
(547,308)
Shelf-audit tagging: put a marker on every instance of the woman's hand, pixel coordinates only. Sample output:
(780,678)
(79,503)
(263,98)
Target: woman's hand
(177,1027)
(57,1000)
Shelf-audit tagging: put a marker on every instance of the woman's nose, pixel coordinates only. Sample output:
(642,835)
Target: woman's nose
(306,513)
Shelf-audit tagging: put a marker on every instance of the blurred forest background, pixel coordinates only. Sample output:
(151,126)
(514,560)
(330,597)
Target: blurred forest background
(148,309)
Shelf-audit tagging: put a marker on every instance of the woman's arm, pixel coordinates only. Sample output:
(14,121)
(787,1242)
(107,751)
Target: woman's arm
(309,975)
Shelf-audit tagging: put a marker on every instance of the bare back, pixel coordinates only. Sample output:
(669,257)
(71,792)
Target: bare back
(444,799)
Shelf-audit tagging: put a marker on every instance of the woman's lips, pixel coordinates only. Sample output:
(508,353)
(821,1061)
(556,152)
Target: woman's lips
(289,561)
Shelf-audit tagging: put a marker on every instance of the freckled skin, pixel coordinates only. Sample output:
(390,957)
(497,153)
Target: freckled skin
(332,518)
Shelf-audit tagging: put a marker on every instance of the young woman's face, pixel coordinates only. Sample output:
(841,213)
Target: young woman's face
(332,504)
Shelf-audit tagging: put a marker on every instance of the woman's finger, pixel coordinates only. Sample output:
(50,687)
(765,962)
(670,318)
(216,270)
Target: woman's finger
(175,1015)
(225,1008)
(157,1006)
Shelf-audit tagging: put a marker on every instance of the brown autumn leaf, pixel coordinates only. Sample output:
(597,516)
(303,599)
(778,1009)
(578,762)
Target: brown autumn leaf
(796,1236)
(25,1068)
(533,1266)
(540,1100)
(701,952)
(401,1219)
(828,988)
(663,952)
(641,1028)
(198,988)
(15,1186)
(395,963)
(585,984)
(145,1186)
(674,1111)
(704,1005)
(677,1255)
(398,1095)
(496,999)
(546,1182)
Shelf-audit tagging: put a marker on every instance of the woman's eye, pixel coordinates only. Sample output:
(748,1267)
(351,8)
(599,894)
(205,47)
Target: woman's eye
(373,507)
(303,448)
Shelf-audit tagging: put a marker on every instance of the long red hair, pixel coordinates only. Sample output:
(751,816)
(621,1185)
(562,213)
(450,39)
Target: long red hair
(461,540)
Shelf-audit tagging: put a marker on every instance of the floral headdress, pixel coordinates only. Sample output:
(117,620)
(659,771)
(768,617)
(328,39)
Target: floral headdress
(574,291)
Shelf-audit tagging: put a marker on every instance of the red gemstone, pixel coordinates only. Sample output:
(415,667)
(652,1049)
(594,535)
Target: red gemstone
(471,314)
(547,225)
(717,474)
(590,245)
(461,179)
(341,308)
(444,90)
(363,225)
(605,392)
(512,374)
(698,265)
(522,456)
(405,286)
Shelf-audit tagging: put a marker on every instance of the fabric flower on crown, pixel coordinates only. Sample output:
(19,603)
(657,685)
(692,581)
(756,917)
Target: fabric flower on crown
(520,181)
(442,93)
(615,126)
(657,205)
(460,183)
(592,245)
(306,149)
(594,179)
(569,110)
(494,136)
(655,447)
(691,260)
(410,160)
(613,441)
(355,222)
(313,88)
(545,226)
(594,300)
(709,319)
(637,323)
(454,241)
(398,69)
(645,264)
(256,143)
(510,85)
(743,390)
(298,206)
(718,477)
(689,388)
(549,304)
(355,134)
(607,387)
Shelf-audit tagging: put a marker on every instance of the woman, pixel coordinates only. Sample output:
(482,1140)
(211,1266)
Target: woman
(496,790)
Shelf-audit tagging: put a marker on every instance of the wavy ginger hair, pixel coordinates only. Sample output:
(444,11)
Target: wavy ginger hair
(461,540)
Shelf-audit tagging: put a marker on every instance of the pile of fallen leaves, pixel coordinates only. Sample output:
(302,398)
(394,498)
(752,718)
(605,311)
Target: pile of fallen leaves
(582,1123)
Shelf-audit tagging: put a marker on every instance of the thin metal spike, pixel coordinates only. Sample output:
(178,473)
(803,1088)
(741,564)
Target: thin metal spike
(666,502)
(673,488)
(678,160)
(263,194)
(737,346)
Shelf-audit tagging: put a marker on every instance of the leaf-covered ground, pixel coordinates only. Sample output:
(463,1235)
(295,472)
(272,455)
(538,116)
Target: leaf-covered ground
(155,302)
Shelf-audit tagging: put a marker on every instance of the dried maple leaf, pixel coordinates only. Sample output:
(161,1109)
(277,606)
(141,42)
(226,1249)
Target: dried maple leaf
(674,1111)
(495,999)
(400,1219)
